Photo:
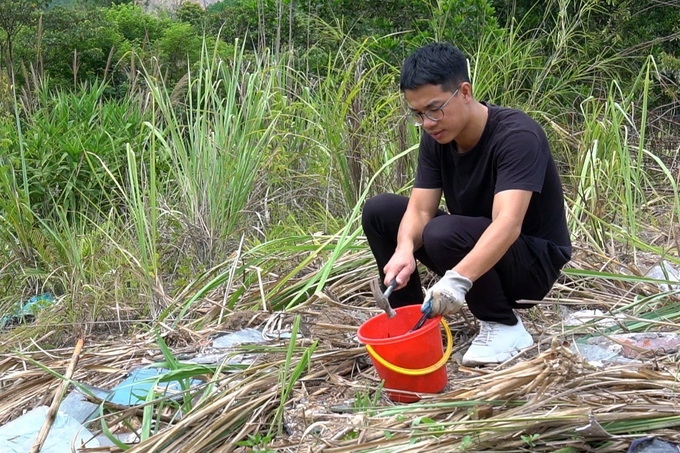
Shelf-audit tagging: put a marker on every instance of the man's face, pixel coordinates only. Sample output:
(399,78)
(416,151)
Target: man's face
(448,107)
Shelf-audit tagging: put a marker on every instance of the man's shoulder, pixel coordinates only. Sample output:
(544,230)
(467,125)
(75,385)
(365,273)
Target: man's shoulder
(507,122)
(510,115)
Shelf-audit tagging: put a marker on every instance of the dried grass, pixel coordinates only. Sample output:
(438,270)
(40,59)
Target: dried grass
(543,401)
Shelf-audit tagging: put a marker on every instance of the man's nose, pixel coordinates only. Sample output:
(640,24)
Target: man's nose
(428,123)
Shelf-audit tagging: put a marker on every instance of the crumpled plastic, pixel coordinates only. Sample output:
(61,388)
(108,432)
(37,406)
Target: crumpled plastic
(28,310)
(652,445)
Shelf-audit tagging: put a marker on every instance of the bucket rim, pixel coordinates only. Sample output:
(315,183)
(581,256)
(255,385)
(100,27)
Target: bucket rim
(430,324)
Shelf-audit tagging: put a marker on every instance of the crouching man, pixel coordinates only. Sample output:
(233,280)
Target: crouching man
(504,237)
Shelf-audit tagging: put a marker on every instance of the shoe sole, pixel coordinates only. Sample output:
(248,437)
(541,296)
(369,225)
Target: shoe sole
(523,343)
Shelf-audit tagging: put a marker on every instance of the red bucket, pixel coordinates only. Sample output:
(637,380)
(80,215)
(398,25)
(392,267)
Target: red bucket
(414,362)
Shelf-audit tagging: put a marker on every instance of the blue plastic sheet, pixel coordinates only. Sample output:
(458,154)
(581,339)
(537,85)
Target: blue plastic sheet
(26,311)
(19,435)
(135,388)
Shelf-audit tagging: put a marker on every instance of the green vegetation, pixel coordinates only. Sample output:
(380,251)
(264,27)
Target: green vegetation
(159,171)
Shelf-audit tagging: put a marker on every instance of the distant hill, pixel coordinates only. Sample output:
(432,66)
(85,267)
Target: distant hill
(148,5)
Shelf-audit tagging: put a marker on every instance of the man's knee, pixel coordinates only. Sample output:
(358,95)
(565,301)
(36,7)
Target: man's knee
(436,232)
(386,205)
(452,233)
(373,206)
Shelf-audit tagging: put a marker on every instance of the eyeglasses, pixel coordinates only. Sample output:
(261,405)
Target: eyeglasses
(435,113)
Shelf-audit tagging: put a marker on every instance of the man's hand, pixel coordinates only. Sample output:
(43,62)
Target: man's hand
(448,294)
(400,267)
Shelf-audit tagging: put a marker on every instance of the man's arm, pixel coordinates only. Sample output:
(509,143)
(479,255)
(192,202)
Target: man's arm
(509,209)
(422,207)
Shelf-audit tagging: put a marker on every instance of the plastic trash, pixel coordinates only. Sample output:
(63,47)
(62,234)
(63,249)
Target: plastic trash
(665,271)
(648,344)
(595,316)
(593,429)
(244,336)
(128,438)
(652,445)
(19,435)
(627,348)
(227,358)
(75,405)
(595,355)
(222,349)
(135,388)
(26,311)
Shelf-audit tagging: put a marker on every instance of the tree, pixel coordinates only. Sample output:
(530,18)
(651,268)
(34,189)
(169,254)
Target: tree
(79,44)
(15,15)
(192,13)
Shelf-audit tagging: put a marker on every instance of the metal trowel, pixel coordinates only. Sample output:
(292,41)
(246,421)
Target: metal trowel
(382,298)
(427,312)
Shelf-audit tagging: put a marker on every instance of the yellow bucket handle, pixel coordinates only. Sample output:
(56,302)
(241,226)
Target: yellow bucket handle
(422,371)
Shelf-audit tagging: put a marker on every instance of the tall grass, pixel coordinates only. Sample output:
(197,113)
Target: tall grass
(542,70)
(249,173)
(53,191)
(616,178)
(353,113)
(597,126)
(216,151)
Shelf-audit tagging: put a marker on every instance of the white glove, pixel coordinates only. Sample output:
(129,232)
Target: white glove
(448,294)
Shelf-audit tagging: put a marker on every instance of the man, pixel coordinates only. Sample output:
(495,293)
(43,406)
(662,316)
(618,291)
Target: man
(505,235)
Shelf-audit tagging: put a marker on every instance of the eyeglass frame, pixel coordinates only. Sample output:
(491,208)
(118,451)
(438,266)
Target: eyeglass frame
(413,114)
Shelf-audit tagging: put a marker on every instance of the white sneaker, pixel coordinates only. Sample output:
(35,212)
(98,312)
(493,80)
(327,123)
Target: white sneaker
(497,343)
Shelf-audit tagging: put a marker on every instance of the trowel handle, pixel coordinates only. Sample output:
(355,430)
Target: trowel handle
(426,309)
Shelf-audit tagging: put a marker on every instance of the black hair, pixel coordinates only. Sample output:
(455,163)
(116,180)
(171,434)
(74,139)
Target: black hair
(436,64)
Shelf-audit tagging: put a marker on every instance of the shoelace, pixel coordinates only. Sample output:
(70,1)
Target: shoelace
(487,331)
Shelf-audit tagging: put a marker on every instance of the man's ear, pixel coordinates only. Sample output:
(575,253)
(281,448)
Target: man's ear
(466,89)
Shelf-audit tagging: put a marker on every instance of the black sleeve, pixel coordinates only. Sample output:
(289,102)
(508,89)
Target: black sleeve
(521,163)
(428,173)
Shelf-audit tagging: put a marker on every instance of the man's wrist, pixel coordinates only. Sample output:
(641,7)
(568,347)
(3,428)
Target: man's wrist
(460,274)
(404,248)
(454,276)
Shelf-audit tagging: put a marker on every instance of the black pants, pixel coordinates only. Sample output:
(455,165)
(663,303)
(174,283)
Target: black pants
(522,273)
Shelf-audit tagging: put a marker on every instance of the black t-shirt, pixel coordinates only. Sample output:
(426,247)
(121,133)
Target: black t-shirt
(512,153)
